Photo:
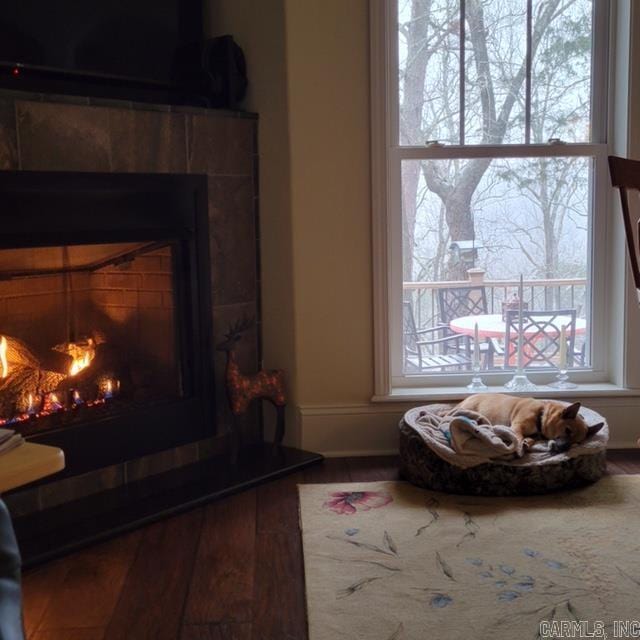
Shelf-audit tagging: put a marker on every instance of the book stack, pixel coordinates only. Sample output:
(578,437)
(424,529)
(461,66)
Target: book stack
(9,440)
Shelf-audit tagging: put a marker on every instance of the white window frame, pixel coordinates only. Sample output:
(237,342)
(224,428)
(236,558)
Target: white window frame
(387,156)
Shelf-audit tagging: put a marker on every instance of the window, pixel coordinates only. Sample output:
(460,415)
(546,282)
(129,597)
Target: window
(495,162)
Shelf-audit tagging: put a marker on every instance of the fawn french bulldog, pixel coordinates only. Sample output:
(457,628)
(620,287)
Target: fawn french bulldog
(530,418)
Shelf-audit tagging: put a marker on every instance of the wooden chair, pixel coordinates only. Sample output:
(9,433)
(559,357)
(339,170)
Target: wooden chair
(455,302)
(541,340)
(625,175)
(426,349)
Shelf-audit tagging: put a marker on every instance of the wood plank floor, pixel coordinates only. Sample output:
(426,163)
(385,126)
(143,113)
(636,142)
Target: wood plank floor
(232,570)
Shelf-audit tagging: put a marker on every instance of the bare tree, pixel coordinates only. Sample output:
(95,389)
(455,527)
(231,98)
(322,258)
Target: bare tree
(454,182)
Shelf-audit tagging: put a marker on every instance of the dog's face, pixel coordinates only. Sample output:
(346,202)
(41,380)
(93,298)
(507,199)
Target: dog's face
(565,426)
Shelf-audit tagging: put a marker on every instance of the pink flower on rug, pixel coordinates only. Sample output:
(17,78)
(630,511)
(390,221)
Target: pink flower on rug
(348,502)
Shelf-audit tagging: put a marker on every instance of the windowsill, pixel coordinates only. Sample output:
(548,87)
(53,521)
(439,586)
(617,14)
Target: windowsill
(591,390)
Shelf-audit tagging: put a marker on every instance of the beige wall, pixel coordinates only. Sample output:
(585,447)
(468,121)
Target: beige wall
(328,79)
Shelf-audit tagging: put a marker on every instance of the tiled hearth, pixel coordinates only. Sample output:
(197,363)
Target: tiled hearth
(47,133)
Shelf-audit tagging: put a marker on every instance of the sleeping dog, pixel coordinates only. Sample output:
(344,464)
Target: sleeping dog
(561,424)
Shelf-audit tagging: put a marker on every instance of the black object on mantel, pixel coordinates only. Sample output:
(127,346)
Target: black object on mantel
(60,530)
(215,69)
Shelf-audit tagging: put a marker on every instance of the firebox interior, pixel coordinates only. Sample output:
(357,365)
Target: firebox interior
(86,329)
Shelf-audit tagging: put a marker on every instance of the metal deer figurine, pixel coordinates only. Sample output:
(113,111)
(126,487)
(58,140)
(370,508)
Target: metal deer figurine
(242,389)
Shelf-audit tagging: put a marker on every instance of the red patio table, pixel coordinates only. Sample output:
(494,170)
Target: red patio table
(493,326)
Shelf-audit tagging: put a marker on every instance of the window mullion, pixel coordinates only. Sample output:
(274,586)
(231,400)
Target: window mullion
(599,68)
(529,65)
(463,13)
(449,152)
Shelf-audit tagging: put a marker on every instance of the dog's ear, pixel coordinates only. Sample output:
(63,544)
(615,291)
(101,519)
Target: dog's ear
(591,431)
(571,411)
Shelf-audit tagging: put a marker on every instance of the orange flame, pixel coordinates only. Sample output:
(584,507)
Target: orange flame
(3,357)
(80,363)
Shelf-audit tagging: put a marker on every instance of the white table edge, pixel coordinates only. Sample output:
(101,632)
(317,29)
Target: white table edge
(27,463)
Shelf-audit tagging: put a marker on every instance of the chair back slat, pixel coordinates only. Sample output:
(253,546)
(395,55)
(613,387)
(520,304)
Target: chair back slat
(541,335)
(456,302)
(625,175)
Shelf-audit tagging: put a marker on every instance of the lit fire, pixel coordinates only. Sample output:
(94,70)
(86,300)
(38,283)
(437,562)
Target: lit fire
(3,357)
(82,356)
(31,408)
(80,363)
(39,405)
(52,403)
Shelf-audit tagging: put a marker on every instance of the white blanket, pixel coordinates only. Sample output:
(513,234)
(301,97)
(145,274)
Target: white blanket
(467,438)
(470,434)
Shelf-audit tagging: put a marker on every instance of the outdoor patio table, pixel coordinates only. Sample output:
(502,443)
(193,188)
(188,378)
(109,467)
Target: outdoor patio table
(493,326)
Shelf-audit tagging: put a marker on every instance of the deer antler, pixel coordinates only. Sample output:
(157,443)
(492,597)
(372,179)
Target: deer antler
(238,327)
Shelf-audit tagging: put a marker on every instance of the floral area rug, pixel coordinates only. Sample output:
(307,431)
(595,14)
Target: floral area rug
(389,561)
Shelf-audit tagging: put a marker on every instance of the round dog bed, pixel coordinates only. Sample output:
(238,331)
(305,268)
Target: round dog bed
(421,466)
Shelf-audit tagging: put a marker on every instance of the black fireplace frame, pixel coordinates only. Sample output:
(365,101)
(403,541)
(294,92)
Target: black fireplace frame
(53,208)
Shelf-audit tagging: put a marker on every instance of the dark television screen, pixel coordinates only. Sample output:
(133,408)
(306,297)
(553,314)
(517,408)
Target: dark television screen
(134,39)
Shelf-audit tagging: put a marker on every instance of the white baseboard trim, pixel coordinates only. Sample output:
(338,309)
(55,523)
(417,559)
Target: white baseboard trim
(350,430)
(372,429)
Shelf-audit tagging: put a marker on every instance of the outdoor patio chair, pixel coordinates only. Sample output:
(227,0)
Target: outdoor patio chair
(427,349)
(455,302)
(541,340)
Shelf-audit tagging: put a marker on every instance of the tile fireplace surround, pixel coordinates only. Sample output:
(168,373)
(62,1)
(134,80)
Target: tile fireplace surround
(51,133)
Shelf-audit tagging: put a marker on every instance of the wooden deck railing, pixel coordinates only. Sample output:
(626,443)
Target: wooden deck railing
(540,294)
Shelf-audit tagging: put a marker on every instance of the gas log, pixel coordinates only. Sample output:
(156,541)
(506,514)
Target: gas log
(88,382)
(24,381)
(56,361)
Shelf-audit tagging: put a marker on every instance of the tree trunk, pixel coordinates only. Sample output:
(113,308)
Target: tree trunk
(460,222)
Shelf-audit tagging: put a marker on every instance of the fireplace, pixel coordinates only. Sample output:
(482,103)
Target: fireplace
(129,247)
(105,313)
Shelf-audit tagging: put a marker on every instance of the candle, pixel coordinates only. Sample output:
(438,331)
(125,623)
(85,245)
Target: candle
(520,323)
(562,365)
(476,346)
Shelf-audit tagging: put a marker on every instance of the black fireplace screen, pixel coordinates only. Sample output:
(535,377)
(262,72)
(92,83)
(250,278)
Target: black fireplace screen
(86,331)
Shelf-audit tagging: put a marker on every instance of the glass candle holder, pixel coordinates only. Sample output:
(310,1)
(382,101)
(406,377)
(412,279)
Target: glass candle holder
(477,385)
(562,381)
(520,383)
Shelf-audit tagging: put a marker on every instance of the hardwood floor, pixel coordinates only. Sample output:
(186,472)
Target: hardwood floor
(232,570)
